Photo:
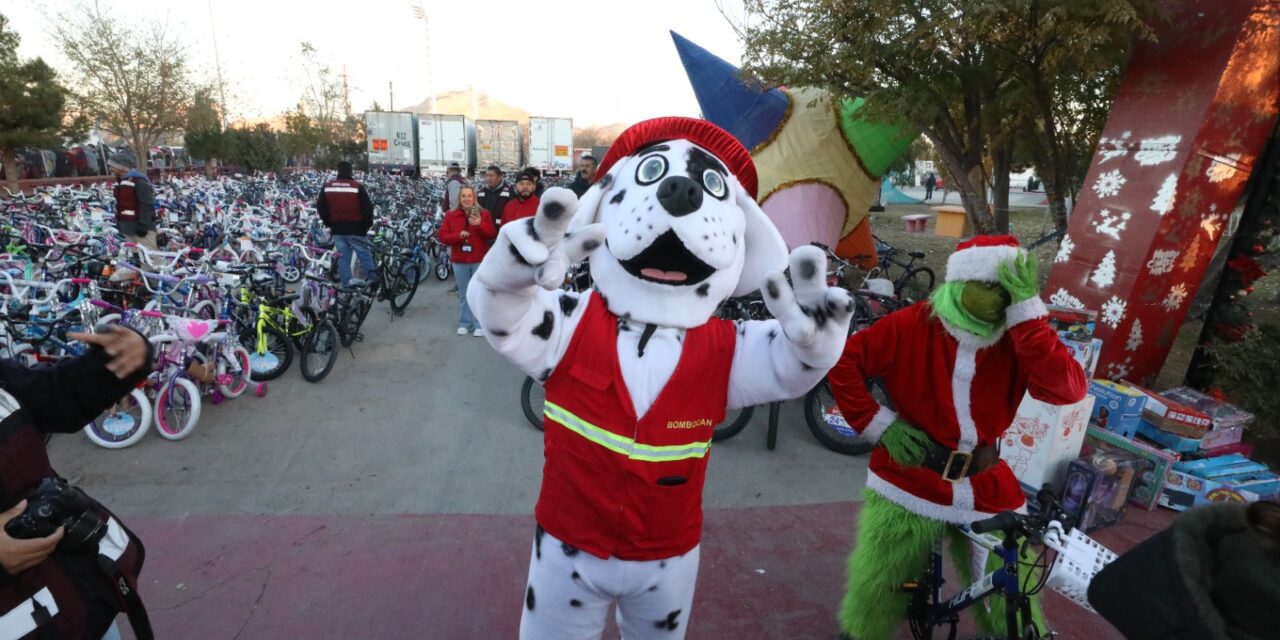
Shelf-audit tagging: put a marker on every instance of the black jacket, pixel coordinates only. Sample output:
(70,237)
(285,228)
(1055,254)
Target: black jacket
(579,185)
(494,200)
(59,399)
(348,228)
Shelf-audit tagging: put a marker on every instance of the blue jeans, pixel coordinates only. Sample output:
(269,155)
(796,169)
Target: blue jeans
(464,271)
(346,245)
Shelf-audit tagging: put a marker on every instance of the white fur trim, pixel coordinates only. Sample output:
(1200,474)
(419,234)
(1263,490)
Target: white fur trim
(1028,309)
(879,423)
(962,495)
(979,263)
(966,339)
(966,368)
(919,506)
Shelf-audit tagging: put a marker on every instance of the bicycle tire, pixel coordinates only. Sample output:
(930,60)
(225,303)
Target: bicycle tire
(829,436)
(528,397)
(123,428)
(279,348)
(733,424)
(177,409)
(915,285)
(444,268)
(404,285)
(323,340)
(239,369)
(424,267)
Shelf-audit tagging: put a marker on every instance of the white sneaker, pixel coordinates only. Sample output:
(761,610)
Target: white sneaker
(479,333)
(462,331)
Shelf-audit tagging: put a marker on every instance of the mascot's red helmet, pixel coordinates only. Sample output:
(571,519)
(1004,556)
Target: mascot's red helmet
(700,132)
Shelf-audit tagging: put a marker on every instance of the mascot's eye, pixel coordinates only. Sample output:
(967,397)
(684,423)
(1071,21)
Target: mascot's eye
(651,170)
(714,183)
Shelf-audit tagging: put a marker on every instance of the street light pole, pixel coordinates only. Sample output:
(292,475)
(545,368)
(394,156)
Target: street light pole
(420,13)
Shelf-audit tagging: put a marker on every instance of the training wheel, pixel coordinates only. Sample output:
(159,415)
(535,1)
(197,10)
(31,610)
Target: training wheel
(217,397)
(261,390)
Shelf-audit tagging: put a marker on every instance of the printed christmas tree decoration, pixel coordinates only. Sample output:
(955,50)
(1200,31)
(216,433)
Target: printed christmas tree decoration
(1135,336)
(1105,275)
(1163,202)
(1191,257)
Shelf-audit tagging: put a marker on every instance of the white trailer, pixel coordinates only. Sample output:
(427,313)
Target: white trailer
(498,142)
(444,139)
(551,144)
(390,141)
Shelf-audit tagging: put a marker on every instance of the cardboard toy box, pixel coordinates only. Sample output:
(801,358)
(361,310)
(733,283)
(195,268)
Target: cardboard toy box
(1098,487)
(1171,441)
(1118,408)
(1229,421)
(1173,416)
(1229,478)
(1044,439)
(1148,485)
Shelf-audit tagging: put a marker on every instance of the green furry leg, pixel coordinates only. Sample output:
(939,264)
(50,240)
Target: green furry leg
(989,615)
(893,547)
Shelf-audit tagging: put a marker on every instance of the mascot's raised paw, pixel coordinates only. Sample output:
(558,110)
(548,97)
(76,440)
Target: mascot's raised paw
(537,250)
(813,315)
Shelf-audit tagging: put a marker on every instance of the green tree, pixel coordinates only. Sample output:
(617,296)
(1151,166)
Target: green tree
(32,105)
(131,78)
(301,136)
(255,149)
(204,137)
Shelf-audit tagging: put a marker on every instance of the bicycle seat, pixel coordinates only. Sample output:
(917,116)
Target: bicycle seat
(190,329)
(916,254)
(283,300)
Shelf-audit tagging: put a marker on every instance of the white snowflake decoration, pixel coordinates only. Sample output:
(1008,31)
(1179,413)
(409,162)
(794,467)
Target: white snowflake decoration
(1110,224)
(1120,370)
(1065,249)
(1223,168)
(1113,311)
(1063,299)
(1176,296)
(1163,202)
(1154,151)
(1108,184)
(1105,275)
(1119,149)
(1161,261)
(1135,336)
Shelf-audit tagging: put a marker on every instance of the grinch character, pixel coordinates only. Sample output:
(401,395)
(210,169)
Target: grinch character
(956,367)
(638,372)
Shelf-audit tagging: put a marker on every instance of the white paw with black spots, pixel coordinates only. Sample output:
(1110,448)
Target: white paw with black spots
(813,315)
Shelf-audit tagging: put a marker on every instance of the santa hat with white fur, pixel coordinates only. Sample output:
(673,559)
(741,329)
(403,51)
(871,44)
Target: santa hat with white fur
(979,257)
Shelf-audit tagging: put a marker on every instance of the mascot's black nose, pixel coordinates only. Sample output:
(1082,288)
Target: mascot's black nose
(679,195)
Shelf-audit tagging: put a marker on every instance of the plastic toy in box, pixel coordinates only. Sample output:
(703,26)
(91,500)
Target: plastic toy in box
(1149,484)
(1098,487)
(1118,407)
(1229,478)
(1172,416)
(1076,324)
(1085,352)
(1229,421)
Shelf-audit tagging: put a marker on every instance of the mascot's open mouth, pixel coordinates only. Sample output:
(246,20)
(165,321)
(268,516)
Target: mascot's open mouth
(667,261)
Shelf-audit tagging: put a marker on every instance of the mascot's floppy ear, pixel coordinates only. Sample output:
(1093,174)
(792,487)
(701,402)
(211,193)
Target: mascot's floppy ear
(765,249)
(589,204)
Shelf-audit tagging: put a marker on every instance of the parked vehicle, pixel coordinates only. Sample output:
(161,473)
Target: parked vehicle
(443,139)
(499,142)
(551,145)
(391,136)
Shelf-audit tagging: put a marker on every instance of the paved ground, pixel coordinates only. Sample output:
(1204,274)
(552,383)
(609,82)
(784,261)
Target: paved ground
(393,500)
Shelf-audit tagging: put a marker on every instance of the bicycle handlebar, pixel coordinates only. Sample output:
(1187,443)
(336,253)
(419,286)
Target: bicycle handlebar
(1011,522)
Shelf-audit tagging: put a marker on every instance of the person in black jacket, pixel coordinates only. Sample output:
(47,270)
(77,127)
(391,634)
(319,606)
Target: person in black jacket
(344,206)
(495,193)
(46,590)
(586,175)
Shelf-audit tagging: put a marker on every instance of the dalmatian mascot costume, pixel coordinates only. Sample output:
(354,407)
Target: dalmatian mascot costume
(638,372)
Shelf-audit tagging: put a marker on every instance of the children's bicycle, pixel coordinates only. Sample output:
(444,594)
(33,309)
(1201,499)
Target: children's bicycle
(1078,560)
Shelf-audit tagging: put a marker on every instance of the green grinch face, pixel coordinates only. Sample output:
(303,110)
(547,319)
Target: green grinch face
(985,301)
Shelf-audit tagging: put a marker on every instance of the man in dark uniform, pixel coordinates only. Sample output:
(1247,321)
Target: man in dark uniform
(345,208)
(586,175)
(495,193)
(135,203)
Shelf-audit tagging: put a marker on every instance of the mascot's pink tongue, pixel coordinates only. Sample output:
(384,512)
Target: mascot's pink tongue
(659,274)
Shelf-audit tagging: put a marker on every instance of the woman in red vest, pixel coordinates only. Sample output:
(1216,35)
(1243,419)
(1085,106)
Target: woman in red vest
(467,231)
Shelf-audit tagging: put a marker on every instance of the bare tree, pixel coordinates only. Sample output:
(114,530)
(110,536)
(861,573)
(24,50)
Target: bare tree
(131,79)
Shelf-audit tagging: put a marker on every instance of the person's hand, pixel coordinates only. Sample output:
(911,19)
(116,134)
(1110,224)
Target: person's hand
(474,220)
(466,234)
(907,445)
(127,349)
(1021,278)
(19,555)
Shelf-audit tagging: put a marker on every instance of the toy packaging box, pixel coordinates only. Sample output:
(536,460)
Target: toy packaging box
(1098,487)
(1229,478)
(1044,439)
(1149,484)
(1168,440)
(1118,407)
(1229,421)
(1173,416)
(1075,328)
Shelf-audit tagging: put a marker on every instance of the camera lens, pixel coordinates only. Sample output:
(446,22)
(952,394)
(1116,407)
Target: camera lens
(44,511)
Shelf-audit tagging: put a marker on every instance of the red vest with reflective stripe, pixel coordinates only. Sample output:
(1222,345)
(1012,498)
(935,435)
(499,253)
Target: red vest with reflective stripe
(343,197)
(617,486)
(126,200)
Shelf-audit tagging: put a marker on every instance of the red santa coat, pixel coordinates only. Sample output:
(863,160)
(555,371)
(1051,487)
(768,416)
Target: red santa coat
(961,389)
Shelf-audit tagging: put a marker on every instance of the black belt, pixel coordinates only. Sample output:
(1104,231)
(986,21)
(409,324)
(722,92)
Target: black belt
(954,465)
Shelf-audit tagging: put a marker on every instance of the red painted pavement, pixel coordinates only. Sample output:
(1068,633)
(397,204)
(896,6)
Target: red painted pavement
(769,572)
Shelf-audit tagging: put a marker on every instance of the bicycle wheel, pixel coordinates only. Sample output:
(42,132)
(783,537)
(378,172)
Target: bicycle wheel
(915,285)
(124,424)
(271,361)
(828,426)
(403,286)
(424,267)
(532,399)
(177,409)
(734,422)
(233,372)
(443,267)
(319,352)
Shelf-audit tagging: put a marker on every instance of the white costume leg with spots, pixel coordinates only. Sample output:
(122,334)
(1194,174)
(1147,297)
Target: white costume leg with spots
(569,593)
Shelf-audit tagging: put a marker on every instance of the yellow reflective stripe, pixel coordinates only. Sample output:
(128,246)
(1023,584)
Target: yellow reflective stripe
(622,444)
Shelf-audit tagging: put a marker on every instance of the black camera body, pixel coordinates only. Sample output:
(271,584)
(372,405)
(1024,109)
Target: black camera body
(55,503)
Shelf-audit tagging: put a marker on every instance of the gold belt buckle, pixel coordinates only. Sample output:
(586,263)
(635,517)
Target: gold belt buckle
(958,476)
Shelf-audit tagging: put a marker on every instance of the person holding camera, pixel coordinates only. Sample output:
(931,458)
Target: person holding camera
(68,566)
(467,231)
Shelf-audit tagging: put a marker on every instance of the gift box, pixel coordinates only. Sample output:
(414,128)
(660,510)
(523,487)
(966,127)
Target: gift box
(1168,440)
(1149,484)
(1241,448)
(1118,407)
(1229,478)
(1223,414)
(1098,487)
(1086,353)
(1044,439)
(1172,416)
(1078,323)
(1216,438)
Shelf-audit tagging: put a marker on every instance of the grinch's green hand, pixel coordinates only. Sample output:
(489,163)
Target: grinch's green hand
(907,445)
(1022,279)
